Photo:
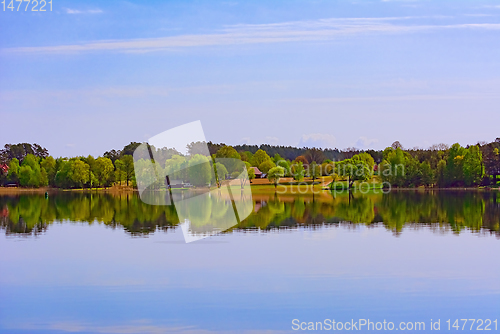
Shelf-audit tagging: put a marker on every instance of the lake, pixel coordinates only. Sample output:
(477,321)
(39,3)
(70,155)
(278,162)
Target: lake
(101,263)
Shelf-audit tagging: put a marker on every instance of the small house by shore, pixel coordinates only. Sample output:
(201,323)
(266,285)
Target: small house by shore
(258,173)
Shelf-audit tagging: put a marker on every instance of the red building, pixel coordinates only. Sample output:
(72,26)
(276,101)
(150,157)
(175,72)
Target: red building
(257,172)
(4,169)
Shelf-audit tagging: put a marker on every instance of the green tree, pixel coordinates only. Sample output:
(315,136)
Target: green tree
(286,166)
(229,157)
(36,177)
(298,171)
(30,160)
(119,174)
(103,170)
(49,164)
(277,158)
(200,170)
(25,175)
(44,180)
(246,155)
(392,168)
(227,152)
(90,160)
(62,175)
(266,166)
(128,164)
(250,171)
(314,170)
(13,174)
(473,166)
(176,168)
(427,174)
(29,173)
(80,172)
(275,174)
(220,172)
(454,165)
(413,173)
(259,157)
(441,173)
(367,158)
(353,170)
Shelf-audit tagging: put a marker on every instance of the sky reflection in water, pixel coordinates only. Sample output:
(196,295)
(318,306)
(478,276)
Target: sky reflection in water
(81,277)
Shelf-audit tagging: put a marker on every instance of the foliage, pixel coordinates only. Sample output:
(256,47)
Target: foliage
(25,176)
(298,171)
(103,171)
(13,175)
(392,168)
(259,158)
(200,170)
(220,172)
(251,172)
(227,152)
(125,168)
(275,174)
(49,165)
(440,165)
(266,166)
(327,168)
(20,151)
(199,147)
(314,154)
(302,159)
(73,173)
(229,157)
(286,166)
(314,170)
(471,211)
(473,166)
(353,170)
(176,168)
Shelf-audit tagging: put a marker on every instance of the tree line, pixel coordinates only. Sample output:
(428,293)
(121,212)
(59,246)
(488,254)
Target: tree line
(438,166)
(28,167)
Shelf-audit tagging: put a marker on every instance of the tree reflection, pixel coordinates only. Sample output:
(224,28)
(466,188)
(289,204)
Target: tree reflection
(441,210)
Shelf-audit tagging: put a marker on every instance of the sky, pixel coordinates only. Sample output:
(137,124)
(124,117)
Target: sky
(90,76)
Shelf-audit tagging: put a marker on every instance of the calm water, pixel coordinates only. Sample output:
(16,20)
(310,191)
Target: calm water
(85,263)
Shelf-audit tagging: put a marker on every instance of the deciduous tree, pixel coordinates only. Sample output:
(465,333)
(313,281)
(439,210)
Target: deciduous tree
(103,171)
(275,174)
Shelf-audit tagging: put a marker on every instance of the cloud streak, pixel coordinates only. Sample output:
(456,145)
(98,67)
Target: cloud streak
(77,11)
(298,31)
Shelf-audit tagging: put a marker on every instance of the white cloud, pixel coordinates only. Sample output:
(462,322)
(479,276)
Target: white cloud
(319,140)
(245,140)
(296,31)
(272,140)
(133,327)
(364,142)
(88,11)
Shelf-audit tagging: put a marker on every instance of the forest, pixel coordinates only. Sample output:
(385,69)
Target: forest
(439,166)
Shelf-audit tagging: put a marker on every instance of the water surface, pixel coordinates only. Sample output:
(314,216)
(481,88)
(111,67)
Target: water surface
(111,264)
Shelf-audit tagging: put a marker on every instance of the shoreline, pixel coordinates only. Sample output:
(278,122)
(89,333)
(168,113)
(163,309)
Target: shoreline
(49,190)
(123,189)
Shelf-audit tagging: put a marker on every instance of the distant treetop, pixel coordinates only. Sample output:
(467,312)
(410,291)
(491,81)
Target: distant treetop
(21,150)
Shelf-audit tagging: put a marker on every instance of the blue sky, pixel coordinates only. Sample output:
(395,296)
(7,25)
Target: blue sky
(93,75)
